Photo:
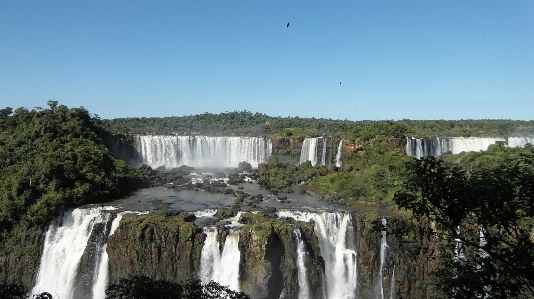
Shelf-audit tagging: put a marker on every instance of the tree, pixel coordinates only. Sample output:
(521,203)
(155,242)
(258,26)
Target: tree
(483,221)
(244,166)
(17,290)
(141,287)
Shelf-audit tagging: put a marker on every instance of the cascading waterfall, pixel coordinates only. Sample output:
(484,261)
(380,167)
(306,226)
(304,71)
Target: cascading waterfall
(458,248)
(65,242)
(519,141)
(383,247)
(309,151)
(221,266)
(201,151)
(392,285)
(304,288)
(338,249)
(339,154)
(82,234)
(435,146)
(317,151)
(102,273)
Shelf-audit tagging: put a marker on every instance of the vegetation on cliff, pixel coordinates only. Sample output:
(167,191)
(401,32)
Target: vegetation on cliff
(483,213)
(51,159)
(370,176)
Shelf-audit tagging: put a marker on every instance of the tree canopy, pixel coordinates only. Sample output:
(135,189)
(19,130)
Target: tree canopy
(483,221)
(259,124)
(141,287)
(51,159)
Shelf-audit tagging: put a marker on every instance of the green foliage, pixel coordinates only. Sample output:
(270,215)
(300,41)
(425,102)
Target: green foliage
(373,130)
(140,287)
(296,128)
(52,159)
(277,176)
(13,291)
(496,199)
(18,291)
(244,166)
(350,187)
(496,156)
(369,178)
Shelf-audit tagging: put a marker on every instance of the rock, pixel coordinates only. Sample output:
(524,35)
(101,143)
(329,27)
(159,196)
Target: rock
(190,218)
(224,213)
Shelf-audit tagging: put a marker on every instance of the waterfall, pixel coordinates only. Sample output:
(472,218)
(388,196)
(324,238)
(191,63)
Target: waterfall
(392,285)
(102,272)
(519,141)
(336,242)
(317,151)
(435,146)
(458,248)
(304,288)
(309,151)
(339,153)
(221,266)
(201,151)
(65,242)
(338,249)
(383,246)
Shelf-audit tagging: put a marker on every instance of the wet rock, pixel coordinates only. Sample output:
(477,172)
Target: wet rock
(190,218)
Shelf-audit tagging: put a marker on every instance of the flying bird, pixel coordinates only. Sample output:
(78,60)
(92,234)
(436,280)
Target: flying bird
(287,24)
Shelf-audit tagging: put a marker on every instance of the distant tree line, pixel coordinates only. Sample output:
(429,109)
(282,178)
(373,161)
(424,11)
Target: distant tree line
(259,124)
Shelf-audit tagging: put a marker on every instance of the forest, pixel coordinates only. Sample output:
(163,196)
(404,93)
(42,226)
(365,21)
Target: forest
(60,157)
(51,159)
(257,124)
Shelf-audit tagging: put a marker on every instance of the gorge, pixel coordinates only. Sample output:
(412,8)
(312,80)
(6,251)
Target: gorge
(298,251)
(289,254)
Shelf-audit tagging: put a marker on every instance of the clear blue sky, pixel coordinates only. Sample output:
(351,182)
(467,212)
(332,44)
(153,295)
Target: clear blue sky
(394,59)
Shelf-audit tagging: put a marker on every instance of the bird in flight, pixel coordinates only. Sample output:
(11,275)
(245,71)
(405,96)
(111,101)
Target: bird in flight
(287,24)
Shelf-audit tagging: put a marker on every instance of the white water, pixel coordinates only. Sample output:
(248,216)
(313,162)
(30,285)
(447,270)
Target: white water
(205,213)
(68,235)
(337,245)
(520,141)
(65,242)
(339,154)
(392,285)
(315,150)
(201,151)
(458,248)
(220,266)
(383,247)
(102,273)
(309,151)
(435,146)
(304,288)
(423,147)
